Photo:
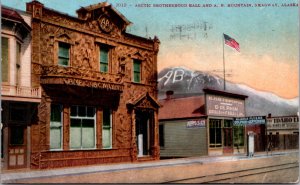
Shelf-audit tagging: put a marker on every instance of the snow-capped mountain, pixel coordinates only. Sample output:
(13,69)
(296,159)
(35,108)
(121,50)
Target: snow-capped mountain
(185,82)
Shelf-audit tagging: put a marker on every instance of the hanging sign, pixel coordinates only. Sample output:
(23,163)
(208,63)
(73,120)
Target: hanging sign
(254,120)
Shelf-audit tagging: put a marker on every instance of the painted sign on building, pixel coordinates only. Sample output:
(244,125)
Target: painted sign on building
(282,123)
(254,120)
(195,123)
(224,106)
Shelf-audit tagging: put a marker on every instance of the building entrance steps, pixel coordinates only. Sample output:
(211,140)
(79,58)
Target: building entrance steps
(12,176)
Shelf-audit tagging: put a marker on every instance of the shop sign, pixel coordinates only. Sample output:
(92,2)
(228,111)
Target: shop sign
(254,120)
(224,106)
(195,123)
(278,123)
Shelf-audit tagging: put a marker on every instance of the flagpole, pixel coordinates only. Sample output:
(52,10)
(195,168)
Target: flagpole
(224,63)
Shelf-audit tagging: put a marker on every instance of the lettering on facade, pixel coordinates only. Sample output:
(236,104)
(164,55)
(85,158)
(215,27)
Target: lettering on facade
(84,83)
(283,123)
(100,85)
(195,123)
(224,106)
(254,120)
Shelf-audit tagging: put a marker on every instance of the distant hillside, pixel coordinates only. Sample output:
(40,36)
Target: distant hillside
(185,82)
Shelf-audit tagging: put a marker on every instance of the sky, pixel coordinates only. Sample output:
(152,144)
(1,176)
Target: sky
(192,37)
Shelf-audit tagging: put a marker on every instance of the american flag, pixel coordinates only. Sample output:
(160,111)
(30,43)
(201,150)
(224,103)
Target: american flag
(231,42)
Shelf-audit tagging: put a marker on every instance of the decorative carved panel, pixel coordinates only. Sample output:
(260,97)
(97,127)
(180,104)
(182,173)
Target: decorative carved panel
(81,77)
(123,130)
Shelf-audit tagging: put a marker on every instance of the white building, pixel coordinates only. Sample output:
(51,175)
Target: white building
(19,99)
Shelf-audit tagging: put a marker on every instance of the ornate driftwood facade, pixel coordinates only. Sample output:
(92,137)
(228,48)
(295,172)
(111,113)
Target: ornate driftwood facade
(99,89)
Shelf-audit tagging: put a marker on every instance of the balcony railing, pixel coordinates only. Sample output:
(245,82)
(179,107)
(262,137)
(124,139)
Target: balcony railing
(18,91)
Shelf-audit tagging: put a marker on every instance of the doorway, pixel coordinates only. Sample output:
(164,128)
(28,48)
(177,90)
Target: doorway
(17,147)
(144,132)
(227,137)
(220,136)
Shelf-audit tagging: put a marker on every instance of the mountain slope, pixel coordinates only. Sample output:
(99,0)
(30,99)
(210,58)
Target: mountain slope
(185,82)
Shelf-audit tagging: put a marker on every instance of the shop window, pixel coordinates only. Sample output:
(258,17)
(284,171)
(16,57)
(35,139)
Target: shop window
(56,127)
(106,129)
(238,135)
(215,133)
(82,131)
(104,59)
(136,71)
(63,54)
(5,59)
(227,123)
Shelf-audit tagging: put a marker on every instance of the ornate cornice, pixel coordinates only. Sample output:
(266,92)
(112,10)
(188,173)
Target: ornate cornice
(81,77)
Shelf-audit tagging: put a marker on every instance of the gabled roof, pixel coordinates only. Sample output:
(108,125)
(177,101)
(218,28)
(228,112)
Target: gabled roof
(105,5)
(180,108)
(142,99)
(12,15)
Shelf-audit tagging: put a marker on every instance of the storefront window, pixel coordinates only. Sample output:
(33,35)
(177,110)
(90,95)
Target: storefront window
(56,127)
(215,133)
(238,134)
(106,129)
(82,132)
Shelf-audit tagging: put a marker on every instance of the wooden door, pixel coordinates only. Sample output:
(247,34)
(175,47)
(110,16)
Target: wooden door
(227,137)
(17,147)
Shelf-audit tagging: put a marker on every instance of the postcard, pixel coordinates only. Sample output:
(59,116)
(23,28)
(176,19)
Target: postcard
(140,91)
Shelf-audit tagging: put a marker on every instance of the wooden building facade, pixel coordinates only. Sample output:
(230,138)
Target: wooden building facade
(182,127)
(282,132)
(202,125)
(223,136)
(99,90)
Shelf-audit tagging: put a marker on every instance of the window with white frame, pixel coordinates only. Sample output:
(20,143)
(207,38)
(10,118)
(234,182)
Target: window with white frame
(56,127)
(82,127)
(106,128)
